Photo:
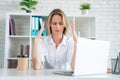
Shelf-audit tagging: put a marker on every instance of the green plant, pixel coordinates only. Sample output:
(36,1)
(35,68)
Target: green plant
(84,6)
(28,5)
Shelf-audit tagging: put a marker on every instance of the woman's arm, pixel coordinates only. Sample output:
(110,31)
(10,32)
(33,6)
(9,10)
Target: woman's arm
(36,61)
(73,59)
(75,42)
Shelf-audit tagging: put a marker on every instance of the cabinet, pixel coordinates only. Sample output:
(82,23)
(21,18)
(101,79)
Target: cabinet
(85,27)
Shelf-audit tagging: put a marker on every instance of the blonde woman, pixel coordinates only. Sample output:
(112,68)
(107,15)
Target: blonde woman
(55,51)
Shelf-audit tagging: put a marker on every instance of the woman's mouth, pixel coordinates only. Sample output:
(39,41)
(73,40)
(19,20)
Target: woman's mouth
(57,30)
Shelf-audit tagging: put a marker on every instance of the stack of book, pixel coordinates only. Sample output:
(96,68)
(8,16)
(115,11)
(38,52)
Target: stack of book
(36,26)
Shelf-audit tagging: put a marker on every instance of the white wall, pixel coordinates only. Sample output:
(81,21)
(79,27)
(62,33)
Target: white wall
(107,14)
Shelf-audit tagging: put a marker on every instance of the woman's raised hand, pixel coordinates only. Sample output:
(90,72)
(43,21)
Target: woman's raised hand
(73,32)
(41,30)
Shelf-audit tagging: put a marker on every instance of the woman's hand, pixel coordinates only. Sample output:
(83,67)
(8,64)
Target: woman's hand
(73,32)
(40,32)
(109,70)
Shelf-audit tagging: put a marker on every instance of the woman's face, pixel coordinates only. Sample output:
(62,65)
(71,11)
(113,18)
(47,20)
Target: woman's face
(57,25)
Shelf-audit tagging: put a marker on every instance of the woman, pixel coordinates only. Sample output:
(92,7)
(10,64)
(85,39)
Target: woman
(55,51)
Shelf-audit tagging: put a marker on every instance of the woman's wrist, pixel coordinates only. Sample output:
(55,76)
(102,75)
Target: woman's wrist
(75,44)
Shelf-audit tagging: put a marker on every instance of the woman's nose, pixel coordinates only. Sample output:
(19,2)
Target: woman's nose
(58,25)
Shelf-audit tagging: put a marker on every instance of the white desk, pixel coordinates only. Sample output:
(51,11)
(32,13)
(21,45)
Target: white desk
(13,74)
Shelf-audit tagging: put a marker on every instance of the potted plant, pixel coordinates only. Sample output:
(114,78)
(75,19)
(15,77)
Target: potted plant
(28,5)
(85,8)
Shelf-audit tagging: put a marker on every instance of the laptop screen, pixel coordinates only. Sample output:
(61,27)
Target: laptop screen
(91,57)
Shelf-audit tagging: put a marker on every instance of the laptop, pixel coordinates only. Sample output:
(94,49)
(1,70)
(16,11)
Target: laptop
(91,58)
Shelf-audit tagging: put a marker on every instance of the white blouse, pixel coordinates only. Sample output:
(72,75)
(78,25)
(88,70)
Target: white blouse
(56,58)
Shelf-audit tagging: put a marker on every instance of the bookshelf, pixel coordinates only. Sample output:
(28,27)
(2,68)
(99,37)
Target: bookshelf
(23,27)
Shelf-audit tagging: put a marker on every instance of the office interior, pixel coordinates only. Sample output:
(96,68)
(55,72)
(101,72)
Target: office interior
(105,12)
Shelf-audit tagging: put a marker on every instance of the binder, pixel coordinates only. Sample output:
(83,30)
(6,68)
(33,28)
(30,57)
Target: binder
(33,33)
(36,26)
(11,26)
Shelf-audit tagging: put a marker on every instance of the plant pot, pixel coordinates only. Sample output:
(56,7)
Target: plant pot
(85,11)
(28,11)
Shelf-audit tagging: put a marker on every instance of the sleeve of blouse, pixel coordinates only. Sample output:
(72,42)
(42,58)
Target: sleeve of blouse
(70,51)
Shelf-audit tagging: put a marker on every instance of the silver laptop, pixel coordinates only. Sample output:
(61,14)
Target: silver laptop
(91,57)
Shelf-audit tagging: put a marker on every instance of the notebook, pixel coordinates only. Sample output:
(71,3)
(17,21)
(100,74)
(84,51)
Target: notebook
(91,58)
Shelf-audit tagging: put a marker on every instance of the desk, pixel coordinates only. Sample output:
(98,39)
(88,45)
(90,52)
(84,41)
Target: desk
(13,74)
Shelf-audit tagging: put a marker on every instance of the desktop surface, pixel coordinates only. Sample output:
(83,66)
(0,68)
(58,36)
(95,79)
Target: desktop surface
(14,74)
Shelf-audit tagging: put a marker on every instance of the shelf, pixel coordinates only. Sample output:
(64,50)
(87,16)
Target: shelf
(12,58)
(85,26)
(15,44)
(19,36)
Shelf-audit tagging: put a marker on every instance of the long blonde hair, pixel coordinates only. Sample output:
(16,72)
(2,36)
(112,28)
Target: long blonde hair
(64,18)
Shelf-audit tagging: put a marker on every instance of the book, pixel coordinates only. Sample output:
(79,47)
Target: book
(44,33)
(11,26)
(40,22)
(12,63)
(35,26)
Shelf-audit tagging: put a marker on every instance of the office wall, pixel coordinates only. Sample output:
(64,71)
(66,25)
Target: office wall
(107,14)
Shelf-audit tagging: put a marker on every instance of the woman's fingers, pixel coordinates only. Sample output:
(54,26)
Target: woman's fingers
(72,26)
(41,30)
(73,32)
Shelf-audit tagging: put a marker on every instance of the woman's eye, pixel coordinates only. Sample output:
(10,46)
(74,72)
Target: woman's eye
(61,23)
(54,23)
